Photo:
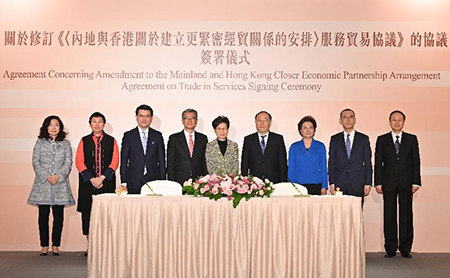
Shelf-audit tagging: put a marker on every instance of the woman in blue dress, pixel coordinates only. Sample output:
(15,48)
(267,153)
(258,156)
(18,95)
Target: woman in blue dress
(308,159)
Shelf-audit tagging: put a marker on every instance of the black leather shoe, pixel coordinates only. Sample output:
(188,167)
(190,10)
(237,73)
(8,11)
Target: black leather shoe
(43,254)
(56,254)
(406,255)
(389,255)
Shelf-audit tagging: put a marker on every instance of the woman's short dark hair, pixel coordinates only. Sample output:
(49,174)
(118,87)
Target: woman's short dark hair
(304,120)
(221,119)
(43,134)
(97,115)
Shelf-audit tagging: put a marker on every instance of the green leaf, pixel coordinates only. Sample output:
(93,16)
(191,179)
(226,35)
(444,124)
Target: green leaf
(236,200)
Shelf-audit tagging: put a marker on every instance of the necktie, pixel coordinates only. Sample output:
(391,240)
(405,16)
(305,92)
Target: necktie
(191,145)
(144,141)
(397,145)
(144,146)
(263,144)
(348,146)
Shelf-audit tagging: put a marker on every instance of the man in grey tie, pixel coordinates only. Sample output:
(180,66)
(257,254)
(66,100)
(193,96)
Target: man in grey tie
(397,177)
(349,162)
(142,153)
(264,152)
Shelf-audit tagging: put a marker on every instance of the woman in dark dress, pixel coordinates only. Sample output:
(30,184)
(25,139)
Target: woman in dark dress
(97,160)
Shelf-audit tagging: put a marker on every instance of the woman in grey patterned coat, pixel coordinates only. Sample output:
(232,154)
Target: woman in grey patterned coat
(222,154)
(52,163)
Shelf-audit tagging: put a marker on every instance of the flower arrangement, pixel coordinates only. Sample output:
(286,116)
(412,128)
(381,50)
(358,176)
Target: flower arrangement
(233,187)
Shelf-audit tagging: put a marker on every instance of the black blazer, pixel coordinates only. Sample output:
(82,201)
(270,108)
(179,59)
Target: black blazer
(350,174)
(272,165)
(391,170)
(133,159)
(180,165)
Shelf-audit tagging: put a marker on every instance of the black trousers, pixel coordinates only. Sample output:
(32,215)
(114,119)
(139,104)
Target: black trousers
(405,236)
(314,189)
(58,219)
(85,221)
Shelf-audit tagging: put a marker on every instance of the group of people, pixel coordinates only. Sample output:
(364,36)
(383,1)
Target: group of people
(190,155)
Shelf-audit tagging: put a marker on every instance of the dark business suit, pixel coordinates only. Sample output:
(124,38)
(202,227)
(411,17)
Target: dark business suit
(272,165)
(133,160)
(350,174)
(397,174)
(180,165)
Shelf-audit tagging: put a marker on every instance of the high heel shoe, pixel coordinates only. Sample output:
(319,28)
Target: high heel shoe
(42,251)
(55,251)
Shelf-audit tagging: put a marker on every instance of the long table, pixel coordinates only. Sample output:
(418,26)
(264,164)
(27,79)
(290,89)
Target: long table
(135,236)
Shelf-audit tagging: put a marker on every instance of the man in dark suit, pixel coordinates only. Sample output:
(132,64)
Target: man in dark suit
(397,174)
(142,153)
(264,152)
(186,150)
(349,162)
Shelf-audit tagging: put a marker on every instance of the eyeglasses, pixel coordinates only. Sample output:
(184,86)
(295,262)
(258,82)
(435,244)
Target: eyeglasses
(189,119)
(348,117)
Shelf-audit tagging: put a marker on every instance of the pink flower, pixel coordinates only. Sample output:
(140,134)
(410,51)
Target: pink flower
(188,182)
(226,183)
(196,186)
(246,187)
(261,192)
(241,190)
(257,180)
(203,190)
(254,187)
(215,191)
(204,179)
(213,177)
(232,187)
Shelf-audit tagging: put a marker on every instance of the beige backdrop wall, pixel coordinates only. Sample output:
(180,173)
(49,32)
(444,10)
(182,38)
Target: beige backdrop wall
(282,36)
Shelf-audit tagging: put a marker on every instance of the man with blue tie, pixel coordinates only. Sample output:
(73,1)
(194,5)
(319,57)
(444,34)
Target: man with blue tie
(264,152)
(349,162)
(397,177)
(142,154)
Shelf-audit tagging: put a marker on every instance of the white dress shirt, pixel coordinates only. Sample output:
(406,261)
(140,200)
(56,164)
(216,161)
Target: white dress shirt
(186,134)
(394,136)
(141,132)
(266,138)
(352,138)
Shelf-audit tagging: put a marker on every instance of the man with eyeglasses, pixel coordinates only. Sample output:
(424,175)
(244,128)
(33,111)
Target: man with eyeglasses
(186,150)
(349,160)
(264,152)
(142,154)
